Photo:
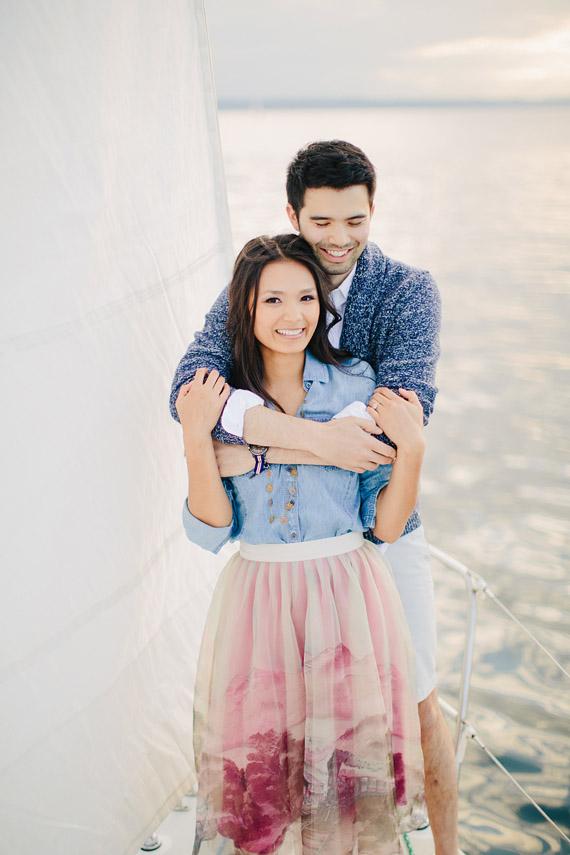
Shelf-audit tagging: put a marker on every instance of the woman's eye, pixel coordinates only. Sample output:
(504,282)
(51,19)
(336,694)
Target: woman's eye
(307,297)
(272,300)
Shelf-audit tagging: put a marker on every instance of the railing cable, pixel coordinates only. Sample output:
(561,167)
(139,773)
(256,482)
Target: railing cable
(466,730)
(479,584)
(498,763)
(469,732)
(494,599)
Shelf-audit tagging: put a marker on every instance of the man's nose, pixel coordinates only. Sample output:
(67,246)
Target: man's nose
(338,236)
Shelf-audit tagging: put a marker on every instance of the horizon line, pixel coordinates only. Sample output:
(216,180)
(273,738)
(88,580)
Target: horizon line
(318,103)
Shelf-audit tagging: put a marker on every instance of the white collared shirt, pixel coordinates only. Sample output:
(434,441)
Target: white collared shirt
(338,298)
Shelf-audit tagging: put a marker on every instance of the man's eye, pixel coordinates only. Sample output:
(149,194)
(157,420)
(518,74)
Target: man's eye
(357,223)
(322,225)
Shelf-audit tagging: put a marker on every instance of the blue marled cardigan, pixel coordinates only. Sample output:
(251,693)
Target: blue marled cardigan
(392,320)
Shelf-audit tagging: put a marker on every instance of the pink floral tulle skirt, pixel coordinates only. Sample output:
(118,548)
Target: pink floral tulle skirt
(306,731)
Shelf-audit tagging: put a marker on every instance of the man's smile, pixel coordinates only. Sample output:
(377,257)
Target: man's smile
(337,254)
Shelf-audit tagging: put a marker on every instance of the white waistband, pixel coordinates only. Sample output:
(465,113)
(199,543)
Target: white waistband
(304,551)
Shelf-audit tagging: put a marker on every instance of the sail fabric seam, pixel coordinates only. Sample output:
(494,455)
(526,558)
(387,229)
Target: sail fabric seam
(37,338)
(81,620)
(212,121)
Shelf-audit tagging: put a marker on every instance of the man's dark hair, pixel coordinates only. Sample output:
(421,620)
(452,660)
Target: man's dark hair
(331,163)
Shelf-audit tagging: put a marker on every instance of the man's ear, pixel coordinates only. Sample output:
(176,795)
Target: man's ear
(293,217)
(371,208)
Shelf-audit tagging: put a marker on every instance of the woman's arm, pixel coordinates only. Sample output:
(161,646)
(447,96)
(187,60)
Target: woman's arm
(401,418)
(199,405)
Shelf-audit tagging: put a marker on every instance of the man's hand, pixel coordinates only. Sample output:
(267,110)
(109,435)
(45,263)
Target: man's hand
(349,443)
(233,459)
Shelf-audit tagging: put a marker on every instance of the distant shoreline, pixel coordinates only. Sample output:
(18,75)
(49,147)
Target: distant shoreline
(316,104)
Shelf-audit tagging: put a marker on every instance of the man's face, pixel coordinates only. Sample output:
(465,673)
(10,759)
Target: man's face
(336,224)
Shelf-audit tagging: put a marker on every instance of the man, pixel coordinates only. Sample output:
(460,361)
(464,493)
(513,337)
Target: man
(390,317)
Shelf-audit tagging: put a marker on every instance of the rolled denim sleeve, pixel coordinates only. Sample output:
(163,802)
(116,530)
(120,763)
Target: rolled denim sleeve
(207,536)
(370,485)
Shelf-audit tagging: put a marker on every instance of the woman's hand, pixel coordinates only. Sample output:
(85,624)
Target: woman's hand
(400,416)
(199,404)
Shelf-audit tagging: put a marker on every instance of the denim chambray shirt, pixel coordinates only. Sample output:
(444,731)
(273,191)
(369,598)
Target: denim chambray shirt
(392,320)
(327,501)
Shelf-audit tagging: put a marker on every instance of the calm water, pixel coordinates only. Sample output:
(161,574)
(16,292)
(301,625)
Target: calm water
(481,197)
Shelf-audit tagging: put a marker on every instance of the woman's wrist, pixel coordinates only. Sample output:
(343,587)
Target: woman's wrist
(196,438)
(412,451)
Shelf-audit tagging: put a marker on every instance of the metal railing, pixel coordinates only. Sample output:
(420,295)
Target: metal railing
(465,731)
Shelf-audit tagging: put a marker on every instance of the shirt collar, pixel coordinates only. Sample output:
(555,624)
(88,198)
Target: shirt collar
(339,295)
(314,370)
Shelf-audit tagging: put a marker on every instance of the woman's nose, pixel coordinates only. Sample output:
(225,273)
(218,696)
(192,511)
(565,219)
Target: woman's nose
(292,311)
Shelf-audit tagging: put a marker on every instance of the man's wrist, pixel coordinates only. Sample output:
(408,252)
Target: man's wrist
(312,436)
(258,453)
(266,426)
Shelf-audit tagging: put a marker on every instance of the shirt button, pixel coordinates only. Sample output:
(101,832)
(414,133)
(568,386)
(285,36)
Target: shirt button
(293,535)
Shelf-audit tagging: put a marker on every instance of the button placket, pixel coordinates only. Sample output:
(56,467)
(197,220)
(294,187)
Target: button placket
(292,504)
(290,501)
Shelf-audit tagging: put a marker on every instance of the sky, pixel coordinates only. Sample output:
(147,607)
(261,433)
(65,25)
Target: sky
(390,50)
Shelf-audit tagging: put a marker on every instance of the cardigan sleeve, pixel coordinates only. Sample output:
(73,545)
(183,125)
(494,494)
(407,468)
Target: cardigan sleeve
(410,350)
(211,349)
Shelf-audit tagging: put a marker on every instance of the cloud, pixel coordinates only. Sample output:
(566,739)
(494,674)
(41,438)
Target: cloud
(553,43)
(542,61)
(386,51)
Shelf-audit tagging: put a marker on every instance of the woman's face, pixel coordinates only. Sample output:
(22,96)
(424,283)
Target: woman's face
(287,308)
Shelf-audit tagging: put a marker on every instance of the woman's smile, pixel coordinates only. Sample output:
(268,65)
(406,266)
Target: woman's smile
(296,333)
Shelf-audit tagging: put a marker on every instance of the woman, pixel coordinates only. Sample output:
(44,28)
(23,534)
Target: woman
(305,720)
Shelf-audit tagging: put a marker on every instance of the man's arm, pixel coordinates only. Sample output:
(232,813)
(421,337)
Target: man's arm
(211,349)
(237,459)
(348,443)
(411,349)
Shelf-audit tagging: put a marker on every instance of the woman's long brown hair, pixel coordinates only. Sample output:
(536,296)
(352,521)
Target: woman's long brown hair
(244,288)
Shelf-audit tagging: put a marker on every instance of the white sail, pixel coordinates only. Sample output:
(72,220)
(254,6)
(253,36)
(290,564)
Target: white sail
(115,242)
